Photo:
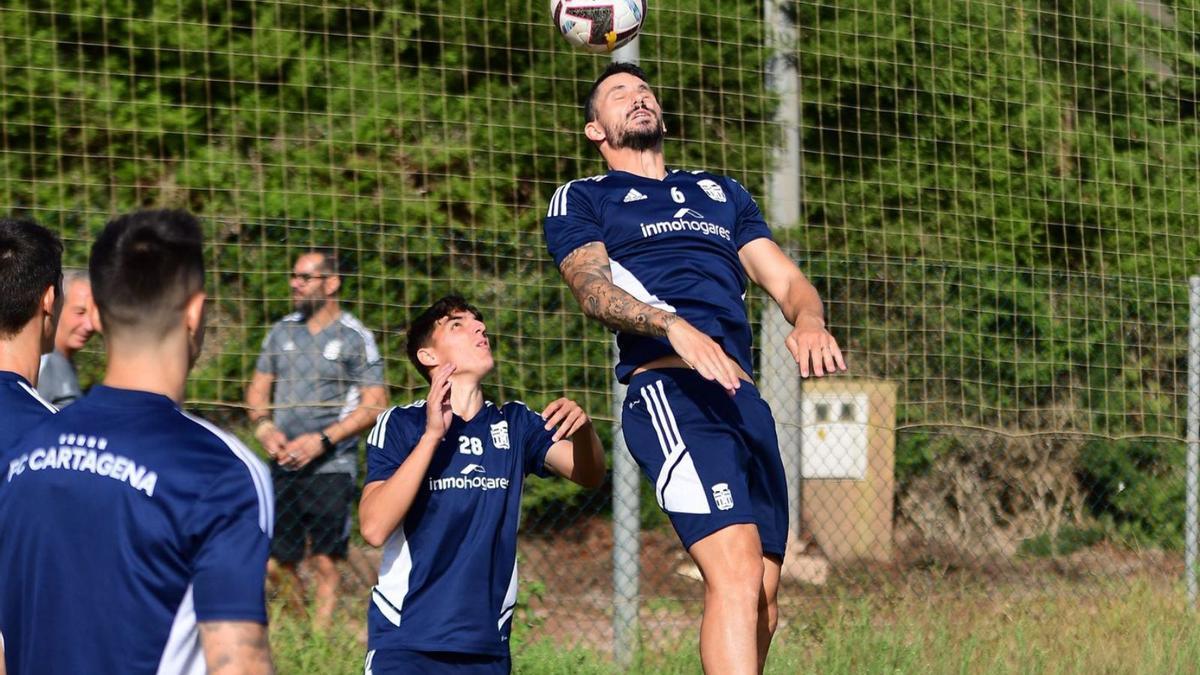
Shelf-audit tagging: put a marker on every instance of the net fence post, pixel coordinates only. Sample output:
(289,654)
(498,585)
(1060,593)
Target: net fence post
(1193,439)
(778,372)
(626,505)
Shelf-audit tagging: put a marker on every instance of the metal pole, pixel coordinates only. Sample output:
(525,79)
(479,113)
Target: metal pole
(1193,440)
(626,507)
(778,374)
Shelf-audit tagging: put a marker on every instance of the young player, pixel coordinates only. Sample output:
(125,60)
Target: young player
(443,497)
(135,536)
(30,299)
(661,257)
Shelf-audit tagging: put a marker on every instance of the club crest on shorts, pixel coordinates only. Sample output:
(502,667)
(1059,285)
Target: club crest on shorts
(722,496)
(500,435)
(711,189)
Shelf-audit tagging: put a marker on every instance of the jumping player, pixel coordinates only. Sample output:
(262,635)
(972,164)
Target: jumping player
(661,257)
(135,536)
(443,497)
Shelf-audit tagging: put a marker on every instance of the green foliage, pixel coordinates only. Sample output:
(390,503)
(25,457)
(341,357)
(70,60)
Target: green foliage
(1137,487)
(1065,542)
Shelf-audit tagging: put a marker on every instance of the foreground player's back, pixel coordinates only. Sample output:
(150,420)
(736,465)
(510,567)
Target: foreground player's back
(125,521)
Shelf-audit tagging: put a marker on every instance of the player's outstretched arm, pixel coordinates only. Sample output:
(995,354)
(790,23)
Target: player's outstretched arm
(810,343)
(586,271)
(577,453)
(385,503)
(235,648)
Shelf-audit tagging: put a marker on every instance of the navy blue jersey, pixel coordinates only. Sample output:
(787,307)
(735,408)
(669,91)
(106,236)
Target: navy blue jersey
(448,580)
(124,522)
(672,244)
(20,407)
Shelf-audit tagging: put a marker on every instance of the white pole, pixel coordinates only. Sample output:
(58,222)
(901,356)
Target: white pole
(626,506)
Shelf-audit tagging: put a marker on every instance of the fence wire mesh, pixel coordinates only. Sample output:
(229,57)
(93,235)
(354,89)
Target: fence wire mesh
(997,201)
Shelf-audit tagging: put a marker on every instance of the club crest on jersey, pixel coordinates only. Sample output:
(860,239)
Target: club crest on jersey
(711,189)
(332,350)
(634,196)
(289,346)
(722,496)
(500,435)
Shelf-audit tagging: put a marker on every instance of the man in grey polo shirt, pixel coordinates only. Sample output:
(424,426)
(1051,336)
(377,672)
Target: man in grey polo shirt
(317,386)
(57,381)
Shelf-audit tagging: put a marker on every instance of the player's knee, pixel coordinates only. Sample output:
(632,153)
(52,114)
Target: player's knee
(740,578)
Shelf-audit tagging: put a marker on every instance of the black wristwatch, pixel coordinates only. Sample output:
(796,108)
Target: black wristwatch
(326,444)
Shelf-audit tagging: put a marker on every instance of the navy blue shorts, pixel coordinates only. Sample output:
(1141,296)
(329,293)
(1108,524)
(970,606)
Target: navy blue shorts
(713,459)
(409,662)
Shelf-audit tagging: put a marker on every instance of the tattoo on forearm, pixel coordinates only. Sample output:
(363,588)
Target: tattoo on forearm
(587,273)
(235,647)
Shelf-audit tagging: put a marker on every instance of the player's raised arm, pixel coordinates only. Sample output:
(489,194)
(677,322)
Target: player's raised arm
(234,648)
(577,453)
(385,503)
(589,276)
(810,342)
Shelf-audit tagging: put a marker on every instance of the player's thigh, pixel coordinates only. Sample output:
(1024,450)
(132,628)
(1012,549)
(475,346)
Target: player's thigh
(684,433)
(731,559)
(328,513)
(409,662)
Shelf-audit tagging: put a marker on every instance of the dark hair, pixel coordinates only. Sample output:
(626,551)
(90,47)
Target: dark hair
(30,261)
(421,328)
(144,267)
(613,68)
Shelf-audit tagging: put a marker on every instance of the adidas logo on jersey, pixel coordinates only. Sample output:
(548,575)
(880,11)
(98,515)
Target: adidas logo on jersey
(634,196)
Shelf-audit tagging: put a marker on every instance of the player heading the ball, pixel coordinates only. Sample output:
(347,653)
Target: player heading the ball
(443,498)
(661,257)
(135,535)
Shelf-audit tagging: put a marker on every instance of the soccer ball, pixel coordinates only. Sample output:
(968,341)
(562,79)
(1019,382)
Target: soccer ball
(598,25)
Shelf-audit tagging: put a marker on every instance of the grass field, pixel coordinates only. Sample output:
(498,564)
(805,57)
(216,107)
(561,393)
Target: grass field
(1140,628)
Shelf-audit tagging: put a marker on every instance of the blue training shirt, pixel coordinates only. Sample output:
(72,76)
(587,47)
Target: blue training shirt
(124,522)
(672,244)
(448,579)
(20,407)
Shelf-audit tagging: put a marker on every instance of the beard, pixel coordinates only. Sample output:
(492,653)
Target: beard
(640,138)
(307,306)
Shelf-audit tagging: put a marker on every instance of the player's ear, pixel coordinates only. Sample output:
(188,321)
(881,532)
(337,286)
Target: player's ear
(332,283)
(427,357)
(594,132)
(193,313)
(51,310)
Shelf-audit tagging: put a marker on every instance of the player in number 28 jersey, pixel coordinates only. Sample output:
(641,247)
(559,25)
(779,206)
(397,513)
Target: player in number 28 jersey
(443,498)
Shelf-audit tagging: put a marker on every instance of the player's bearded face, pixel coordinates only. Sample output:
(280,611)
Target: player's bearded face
(639,127)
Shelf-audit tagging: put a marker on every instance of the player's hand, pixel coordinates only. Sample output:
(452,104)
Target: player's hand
(273,440)
(438,413)
(810,343)
(567,416)
(300,451)
(704,355)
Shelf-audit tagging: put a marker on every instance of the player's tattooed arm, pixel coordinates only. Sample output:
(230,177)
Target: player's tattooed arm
(236,648)
(589,277)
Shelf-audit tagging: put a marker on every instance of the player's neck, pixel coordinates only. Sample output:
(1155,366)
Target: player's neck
(22,353)
(160,368)
(327,314)
(466,396)
(645,163)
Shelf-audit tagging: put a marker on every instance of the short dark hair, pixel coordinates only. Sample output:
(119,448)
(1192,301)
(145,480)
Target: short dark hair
(613,68)
(421,328)
(30,261)
(144,267)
